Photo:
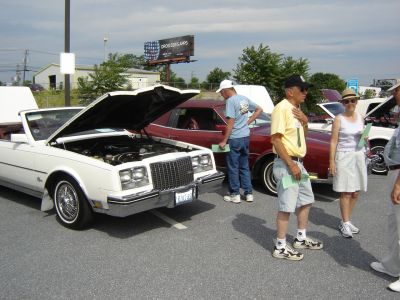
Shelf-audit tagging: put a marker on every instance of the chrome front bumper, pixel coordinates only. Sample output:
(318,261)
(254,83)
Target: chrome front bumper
(133,204)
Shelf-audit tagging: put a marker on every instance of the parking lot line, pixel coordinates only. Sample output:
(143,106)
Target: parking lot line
(167,219)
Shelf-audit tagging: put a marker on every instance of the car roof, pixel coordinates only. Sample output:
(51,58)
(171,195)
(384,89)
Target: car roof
(200,103)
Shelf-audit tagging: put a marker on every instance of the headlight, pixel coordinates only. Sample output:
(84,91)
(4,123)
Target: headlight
(202,163)
(133,178)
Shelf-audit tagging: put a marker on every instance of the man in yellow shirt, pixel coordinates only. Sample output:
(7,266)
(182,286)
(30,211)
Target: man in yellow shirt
(288,130)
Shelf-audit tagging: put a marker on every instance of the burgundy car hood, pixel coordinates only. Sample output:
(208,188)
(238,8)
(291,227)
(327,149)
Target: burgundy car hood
(131,110)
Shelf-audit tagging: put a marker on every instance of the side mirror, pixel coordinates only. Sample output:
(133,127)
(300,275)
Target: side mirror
(19,138)
(221,128)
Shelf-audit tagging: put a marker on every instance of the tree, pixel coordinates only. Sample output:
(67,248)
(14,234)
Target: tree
(261,66)
(194,83)
(107,77)
(215,77)
(322,81)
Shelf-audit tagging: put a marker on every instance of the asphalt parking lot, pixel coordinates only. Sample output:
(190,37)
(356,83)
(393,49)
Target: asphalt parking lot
(208,249)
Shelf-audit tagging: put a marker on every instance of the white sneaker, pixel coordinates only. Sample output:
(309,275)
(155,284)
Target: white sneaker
(353,228)
(377,266)
(395,286)
(232,198)
(249,198)
(345,230)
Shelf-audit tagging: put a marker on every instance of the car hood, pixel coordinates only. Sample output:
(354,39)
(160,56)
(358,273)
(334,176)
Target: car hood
(131,110)
(382,108)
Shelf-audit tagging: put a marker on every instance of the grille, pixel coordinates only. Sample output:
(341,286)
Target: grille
(172,174)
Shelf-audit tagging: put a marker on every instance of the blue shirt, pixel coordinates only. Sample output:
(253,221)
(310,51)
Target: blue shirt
(238,107)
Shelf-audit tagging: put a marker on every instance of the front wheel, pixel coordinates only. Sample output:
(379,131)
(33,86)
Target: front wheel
(72,207)
(267,177)
(378,162)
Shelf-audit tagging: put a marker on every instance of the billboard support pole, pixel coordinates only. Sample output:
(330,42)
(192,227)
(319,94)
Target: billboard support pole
(168,73)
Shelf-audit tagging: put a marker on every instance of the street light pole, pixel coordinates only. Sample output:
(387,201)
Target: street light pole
(105,53)
(67,87)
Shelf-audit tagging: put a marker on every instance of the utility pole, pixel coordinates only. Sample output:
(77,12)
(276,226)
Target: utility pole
(25,62)
(67,87)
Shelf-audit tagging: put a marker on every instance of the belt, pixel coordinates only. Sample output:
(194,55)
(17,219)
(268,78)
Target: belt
(299,159)
(394,167)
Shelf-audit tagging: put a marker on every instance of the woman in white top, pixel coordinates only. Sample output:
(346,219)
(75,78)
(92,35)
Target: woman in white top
(347,160)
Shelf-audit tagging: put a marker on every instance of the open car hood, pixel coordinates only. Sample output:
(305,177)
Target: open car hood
(382,109)
(131,110)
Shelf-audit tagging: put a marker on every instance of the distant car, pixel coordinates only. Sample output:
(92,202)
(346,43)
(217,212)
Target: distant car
(202,122)
(36,87)
(83,161)
(384,121)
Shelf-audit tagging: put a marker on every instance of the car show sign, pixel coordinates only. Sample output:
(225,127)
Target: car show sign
(169,49)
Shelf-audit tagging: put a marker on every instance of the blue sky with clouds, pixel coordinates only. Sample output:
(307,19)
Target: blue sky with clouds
(353,39)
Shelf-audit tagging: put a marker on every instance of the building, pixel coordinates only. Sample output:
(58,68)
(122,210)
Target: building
(50,77)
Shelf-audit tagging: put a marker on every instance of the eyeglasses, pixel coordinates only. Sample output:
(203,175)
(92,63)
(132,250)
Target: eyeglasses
(303,89)
(349,101)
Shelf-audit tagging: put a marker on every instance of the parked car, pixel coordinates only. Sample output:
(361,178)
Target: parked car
(384,121)
(84,161)
(202,122)
(36,87)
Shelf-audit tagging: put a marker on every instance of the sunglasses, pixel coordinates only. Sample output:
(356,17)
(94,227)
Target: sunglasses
(303,89)
(349,101)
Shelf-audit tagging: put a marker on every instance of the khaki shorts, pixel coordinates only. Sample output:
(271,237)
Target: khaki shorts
(294,196)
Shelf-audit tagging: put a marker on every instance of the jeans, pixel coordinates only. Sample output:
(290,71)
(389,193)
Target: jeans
(237,161)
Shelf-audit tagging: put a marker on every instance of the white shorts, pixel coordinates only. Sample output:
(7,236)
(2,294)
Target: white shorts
(294,196)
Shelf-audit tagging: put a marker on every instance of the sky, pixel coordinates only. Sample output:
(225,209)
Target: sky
(353,39)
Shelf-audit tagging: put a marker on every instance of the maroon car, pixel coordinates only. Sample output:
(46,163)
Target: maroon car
(202,122)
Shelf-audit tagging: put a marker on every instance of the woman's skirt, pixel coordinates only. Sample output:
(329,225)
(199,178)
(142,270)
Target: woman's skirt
(351,172)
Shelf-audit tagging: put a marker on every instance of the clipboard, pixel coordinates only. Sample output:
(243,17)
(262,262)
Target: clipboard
(289,180)
(364,134)
(215,148)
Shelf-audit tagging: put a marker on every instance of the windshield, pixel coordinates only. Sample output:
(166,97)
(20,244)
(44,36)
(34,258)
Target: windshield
(42,124)
(334,108)
(261,120)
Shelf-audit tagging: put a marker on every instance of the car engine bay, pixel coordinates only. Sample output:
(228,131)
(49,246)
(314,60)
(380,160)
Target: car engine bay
(121,149)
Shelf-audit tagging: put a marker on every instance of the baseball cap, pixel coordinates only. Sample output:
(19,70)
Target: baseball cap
(225,84)
(296,80)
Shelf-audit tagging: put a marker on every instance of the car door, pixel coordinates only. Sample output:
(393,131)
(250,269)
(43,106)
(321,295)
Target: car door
(18,166)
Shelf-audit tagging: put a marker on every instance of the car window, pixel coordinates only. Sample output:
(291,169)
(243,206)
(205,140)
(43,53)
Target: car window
(334,108)
(197,119)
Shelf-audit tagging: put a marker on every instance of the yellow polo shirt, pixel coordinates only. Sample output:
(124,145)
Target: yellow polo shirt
(284,122)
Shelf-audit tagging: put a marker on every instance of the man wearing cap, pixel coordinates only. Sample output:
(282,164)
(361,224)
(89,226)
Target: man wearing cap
(390,264)
(237,136)
(288,130)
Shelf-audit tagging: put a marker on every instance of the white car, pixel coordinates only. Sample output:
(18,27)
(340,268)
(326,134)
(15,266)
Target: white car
(85,161)
(379,111)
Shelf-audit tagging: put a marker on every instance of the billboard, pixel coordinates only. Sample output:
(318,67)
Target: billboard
(178,47)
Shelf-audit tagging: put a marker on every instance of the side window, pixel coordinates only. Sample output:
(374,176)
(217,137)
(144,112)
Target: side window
(198,119)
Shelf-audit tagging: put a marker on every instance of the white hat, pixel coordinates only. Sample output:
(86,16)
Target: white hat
(394,86)
(225,84)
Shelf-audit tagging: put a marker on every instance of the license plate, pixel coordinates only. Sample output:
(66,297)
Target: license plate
(184,197)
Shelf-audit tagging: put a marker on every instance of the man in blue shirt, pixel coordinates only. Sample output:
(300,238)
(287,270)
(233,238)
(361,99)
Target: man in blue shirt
(237,136)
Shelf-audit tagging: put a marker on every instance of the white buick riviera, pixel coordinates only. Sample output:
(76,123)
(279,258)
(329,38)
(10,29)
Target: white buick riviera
(93,160)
